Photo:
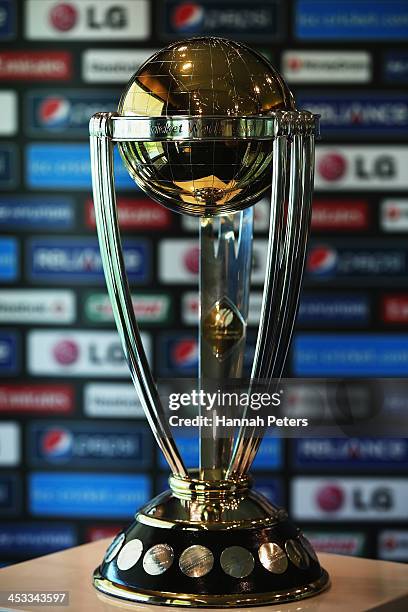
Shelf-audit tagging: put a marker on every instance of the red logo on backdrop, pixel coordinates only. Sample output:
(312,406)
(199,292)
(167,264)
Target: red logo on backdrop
(135,213)
(332,166)
(330,498)
(340,215)
(66,352)
(35,65)
(295,63)
(63,17)
(394,308)
(37,399)
(93,534)
(191,260)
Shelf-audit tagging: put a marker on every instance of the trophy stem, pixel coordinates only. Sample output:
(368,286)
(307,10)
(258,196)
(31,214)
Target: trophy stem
(225,272)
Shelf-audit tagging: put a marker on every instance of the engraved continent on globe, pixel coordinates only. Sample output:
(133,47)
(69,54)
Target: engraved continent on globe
(203,77)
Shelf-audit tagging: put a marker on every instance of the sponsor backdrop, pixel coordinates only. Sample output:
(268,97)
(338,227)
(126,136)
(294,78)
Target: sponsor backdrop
(76,455)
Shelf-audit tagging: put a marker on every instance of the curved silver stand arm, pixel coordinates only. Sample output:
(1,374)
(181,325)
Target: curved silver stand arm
(118,288)
(285,264)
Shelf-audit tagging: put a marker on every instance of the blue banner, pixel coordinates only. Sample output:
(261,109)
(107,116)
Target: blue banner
(35,539)
(28,212)
(10,494)
(350,453)
(8,166)
(67,166)
(79,260)
(351,20)
(9,259)
(9,353)
(334,309)
(86,494)
(395,67)
(350,355)
(374,113)
(7,19)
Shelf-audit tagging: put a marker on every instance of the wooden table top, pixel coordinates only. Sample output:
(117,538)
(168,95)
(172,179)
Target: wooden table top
(357,584)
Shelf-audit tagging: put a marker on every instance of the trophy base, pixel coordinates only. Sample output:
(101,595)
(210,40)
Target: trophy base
(207,544)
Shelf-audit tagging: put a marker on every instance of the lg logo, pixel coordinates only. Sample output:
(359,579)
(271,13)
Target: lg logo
(334,167)
(333,498)
(68,352)
(65,16)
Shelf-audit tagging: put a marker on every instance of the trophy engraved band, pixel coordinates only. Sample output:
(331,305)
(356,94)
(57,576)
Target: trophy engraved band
(205,127)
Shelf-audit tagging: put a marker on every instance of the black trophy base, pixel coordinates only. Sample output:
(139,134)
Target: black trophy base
(238,561)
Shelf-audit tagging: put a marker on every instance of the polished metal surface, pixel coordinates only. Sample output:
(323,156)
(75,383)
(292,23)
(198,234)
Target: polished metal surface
(128,128)
(309,548)
(273,558)
(202,166)
(225,274)
(114,547)
(206,600)
(196,561)
(118,288)
(210,505)
(130,554)
(158,559)
(297,554)
(237,561)
(204,127)
(285,264)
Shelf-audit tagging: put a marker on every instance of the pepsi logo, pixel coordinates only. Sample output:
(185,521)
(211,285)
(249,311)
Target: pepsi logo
(63,17)
(191,260)
(330,498)
(188,17)
(321,260)
(332,166)
(184,354)
(54,112)
(56,443)
(66,352)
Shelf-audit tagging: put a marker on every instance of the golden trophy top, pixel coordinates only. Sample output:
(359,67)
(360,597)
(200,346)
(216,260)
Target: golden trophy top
(207,78)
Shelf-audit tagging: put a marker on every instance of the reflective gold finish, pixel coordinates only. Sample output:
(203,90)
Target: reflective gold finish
(196,561)
(158,559)
(180,81)
(273,558)
(237,561)
(223,328)
(212,601)
(209,505)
